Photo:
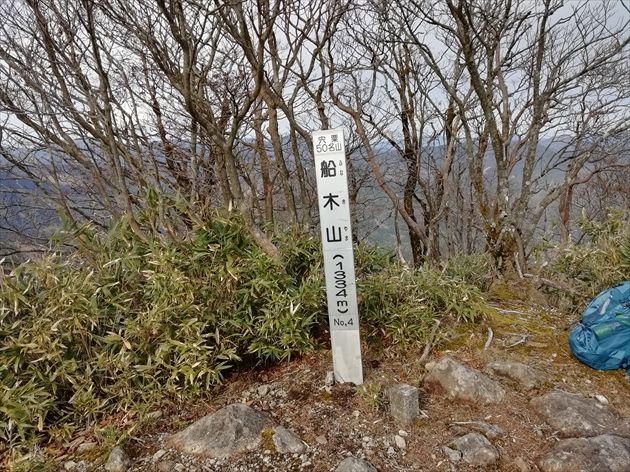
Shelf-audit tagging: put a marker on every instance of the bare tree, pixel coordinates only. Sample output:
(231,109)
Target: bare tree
(525,68)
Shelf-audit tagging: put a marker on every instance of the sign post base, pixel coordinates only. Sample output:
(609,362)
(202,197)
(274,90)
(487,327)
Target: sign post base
(346,353)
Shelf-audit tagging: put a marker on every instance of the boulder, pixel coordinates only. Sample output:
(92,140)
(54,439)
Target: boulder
(231,429)
(352,464)
(527,377)
(475,449)
(462,383)
(577,416)
(599,453)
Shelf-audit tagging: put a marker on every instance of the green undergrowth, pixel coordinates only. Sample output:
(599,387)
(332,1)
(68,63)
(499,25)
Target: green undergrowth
(400,307)
(120,323)
(599,261)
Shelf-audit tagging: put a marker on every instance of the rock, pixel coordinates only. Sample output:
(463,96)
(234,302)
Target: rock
(368,442)
(490,431)
(263,390)
(403,433)
(527,377)
(576,416)
(391,451)
(521,465)
(232,429)
(460,382)
(117,461)
(287,442)
(70,465)
(352,464)
(321,440)
(452,454)
(475,449)
(404,404)
(599,453)
(85,447)
(400,442)
(601,399)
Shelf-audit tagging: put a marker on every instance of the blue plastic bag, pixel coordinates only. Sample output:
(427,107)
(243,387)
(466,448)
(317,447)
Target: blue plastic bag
(602,338)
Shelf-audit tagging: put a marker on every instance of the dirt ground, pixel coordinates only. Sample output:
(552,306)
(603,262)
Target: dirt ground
(346,419)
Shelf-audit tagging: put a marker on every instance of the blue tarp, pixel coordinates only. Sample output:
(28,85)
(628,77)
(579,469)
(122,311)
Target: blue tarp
(602,338)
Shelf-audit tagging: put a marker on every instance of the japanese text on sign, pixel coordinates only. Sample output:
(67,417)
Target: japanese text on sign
(336,231)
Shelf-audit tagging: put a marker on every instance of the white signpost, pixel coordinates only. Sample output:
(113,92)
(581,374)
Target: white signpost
(334,215)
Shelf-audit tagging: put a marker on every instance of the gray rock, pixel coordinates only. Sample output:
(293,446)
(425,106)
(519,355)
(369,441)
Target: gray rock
(490,431)
(159,454)
(232,429)
(352,464)
(462,383)
(70,465)
(400,442)
(452,454)
(117,461)
(475,449)
(527,377)
(263,390)
(404,404)
(600,453)
(287,442)
(576,416)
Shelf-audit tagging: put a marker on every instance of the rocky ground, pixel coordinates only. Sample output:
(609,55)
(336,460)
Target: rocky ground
(504,395)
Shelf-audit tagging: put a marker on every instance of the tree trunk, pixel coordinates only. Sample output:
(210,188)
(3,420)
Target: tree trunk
(264,166)
(276,142)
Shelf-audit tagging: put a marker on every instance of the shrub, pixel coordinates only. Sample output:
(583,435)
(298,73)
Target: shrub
(474,269)
(402,305)
(601,261)
(129,322)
